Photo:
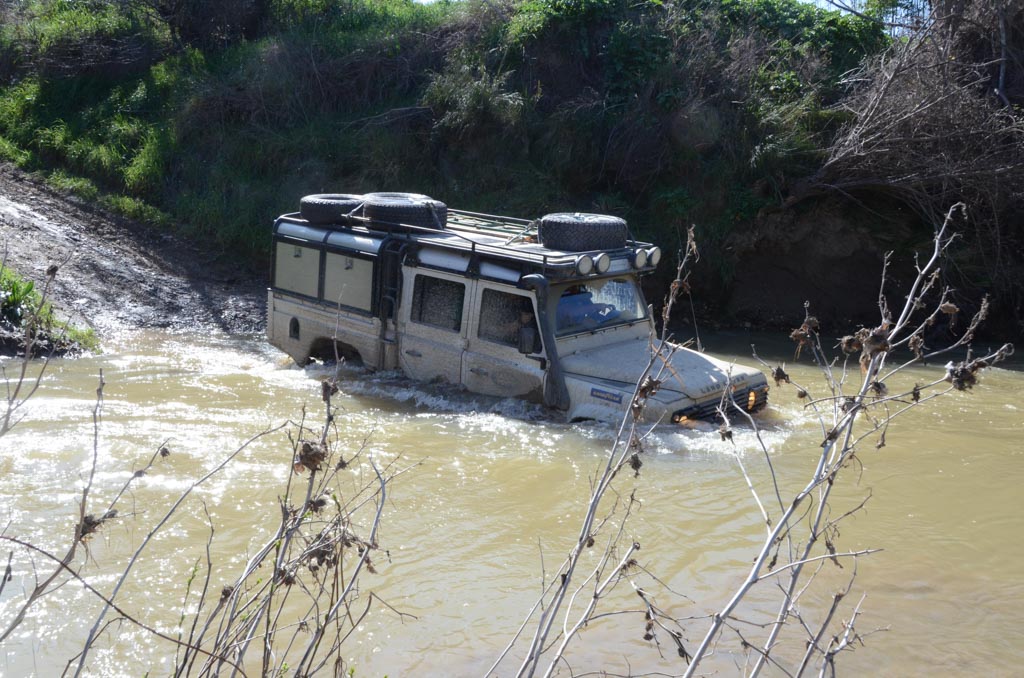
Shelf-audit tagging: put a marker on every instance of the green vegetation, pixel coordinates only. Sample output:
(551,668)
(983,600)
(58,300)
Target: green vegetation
(219,116)
(22,308)
(221,136)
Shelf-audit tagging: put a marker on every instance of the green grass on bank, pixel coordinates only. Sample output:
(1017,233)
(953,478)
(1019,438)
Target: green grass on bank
(22,306)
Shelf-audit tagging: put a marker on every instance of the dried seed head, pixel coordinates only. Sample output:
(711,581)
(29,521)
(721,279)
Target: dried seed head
(800,336)
(850,344)
(649,387)
(876,342)
(317,505)
(964,375)
(310,456)
(89,525)
(285,577)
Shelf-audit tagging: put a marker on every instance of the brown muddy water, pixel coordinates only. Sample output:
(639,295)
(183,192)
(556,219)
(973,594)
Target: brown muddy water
(498,484)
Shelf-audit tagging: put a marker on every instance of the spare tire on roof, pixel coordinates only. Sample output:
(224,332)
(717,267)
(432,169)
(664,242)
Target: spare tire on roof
(578,232)
(410,209)
(329,208)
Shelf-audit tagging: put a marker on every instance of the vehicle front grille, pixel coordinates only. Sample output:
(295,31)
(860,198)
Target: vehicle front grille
(749,399)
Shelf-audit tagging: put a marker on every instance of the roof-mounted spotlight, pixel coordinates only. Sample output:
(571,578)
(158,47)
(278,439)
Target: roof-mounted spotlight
(602,262)
(639,258)
(584,264)
(653,256)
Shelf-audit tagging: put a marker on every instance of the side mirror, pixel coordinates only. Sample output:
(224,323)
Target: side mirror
(528,340)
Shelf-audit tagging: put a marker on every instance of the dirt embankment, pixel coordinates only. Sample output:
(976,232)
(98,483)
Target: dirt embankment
(115,273)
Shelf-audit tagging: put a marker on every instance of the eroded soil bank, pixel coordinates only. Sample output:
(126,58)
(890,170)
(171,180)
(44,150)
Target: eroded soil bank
(115,273)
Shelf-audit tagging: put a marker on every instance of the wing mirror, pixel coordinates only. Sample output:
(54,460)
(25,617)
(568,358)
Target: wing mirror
(529,342)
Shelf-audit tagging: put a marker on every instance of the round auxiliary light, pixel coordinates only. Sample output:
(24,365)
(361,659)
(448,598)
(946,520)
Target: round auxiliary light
(602,262)
(639,259)
(654,256)
(584,264)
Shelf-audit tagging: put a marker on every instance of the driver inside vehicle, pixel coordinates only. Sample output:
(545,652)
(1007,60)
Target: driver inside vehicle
(577,310)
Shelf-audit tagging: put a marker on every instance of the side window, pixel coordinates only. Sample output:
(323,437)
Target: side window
(297,269)
(501,316)
(438,302)
(348,281)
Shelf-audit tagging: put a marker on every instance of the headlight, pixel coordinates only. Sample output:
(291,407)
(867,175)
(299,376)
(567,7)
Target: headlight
(654,256)
(602,262)
(584,264)
(639,258)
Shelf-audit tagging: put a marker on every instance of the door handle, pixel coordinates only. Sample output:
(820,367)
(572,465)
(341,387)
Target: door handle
(414,354)
(479,370)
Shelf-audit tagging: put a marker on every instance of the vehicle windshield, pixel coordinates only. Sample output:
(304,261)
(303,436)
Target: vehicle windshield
(583,307)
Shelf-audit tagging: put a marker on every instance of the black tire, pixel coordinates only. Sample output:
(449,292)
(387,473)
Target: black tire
(576,232)
(411,209)
(329,208)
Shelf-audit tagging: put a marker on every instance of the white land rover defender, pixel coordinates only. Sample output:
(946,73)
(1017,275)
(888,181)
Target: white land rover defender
(549,310)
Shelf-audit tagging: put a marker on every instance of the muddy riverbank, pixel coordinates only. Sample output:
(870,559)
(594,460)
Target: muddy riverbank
(116,273)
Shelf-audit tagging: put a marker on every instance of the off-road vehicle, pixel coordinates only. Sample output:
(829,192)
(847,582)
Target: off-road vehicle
(548,309)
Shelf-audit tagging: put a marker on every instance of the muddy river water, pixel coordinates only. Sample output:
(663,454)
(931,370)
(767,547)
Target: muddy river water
(495,485)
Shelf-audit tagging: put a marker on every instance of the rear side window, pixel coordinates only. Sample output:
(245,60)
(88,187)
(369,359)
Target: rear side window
(438,302)
(348,281)
(297,269)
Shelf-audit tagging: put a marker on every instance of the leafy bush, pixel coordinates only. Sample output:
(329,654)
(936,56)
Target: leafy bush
(16,297)
(582,104)
(469,99)
(533,18)
(21,304)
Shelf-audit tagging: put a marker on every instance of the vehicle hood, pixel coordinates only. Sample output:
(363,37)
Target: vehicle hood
(687,373)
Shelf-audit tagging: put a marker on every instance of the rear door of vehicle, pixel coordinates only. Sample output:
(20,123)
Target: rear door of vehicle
(433,324)
(492,363)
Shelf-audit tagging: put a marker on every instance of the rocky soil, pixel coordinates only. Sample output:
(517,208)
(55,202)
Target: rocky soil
(115,273)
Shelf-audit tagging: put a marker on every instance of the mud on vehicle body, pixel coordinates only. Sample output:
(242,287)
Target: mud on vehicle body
(550,310)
